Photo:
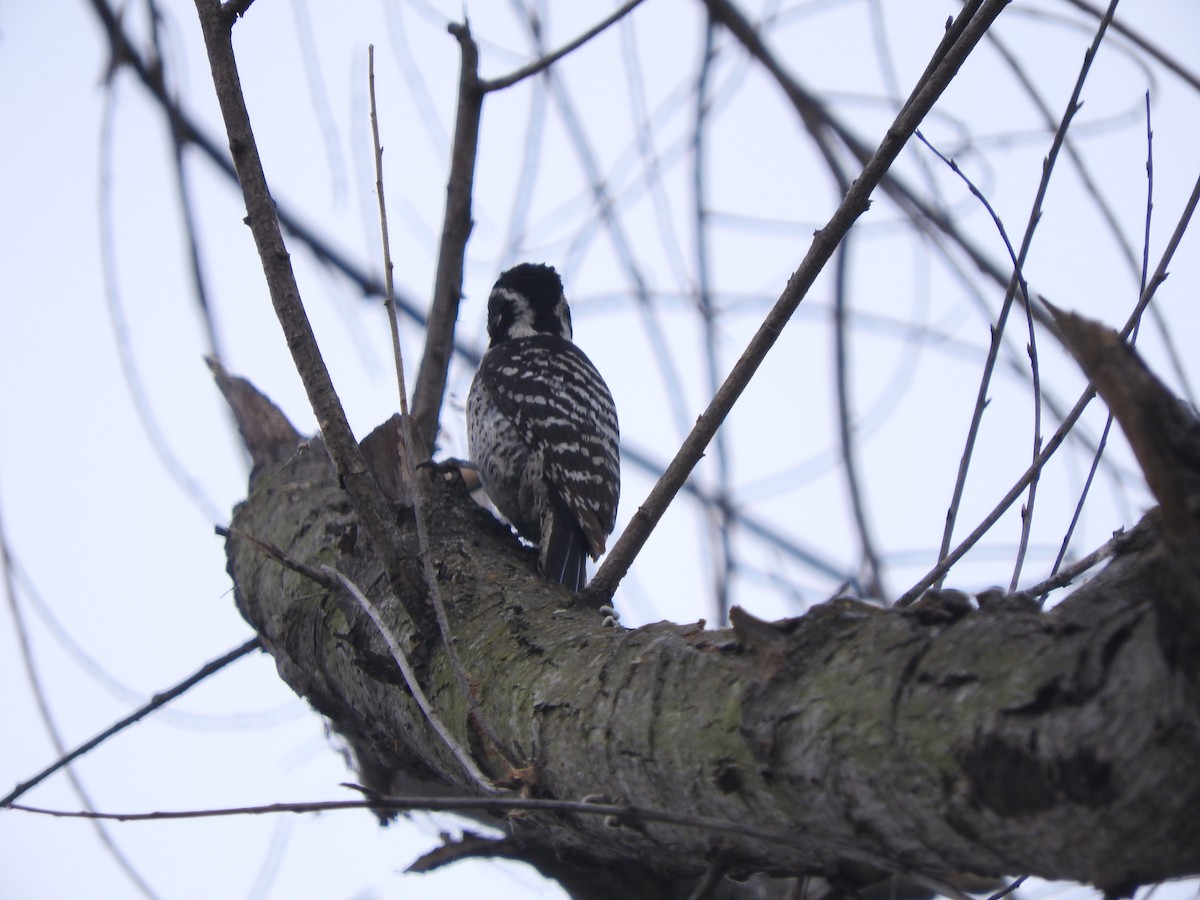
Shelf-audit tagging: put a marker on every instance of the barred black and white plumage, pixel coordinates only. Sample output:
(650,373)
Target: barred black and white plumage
(542,426)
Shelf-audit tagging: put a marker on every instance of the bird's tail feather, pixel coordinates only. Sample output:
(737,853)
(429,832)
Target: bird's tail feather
(564,553)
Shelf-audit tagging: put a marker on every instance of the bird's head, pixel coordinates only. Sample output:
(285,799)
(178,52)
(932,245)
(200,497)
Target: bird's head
(528,299)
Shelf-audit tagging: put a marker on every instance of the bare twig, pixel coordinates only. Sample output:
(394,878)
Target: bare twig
(853,205)
(1160,271)
(1075,516)
(1149,195)
(1107,214)
(216,23)
(414,686)
(1016,282)
(873,571)
(314,575)
(1160,274)
(981,399)
(134,382)
(1004,892)
(1145,273)
(158,700)
(43,706)
(1149,47)
(545,62)
(720,537)
(935,574)
(456,228)
(183,190)
(500,804)
(1061,577)
(410,467)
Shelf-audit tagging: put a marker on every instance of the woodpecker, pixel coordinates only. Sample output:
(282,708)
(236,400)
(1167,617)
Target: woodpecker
(542,426)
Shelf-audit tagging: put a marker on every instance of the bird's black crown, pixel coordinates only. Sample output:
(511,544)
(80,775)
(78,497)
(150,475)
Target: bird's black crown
(526,300)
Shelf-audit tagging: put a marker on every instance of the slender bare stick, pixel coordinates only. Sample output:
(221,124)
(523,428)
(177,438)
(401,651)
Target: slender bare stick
(1160,271)
(216,21)
(719,526)
(42,702)
(497,803)
(1064,575)
(414,686)
(456,228)
(1068,422)
(854,204)
(1145,274)
(1015,284)
(406,430)
(872,577)
(545,62)
(1004,892)
(1107,213)
(160,699)
(981,401)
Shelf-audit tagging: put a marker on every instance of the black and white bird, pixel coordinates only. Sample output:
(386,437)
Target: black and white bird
(542,426)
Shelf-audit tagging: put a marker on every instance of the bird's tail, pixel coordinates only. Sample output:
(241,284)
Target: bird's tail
(564,552)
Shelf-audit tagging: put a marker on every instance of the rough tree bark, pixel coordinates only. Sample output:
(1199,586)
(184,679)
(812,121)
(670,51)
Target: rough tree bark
(851,743)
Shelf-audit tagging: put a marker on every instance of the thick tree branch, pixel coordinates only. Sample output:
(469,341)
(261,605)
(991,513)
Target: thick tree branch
(928,740)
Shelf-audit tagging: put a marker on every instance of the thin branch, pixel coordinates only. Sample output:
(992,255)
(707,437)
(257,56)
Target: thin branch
(707,886)
(929,219)
(410,453)
(622,244)
(1149,195)
(853,205)
(873,574)
(719,527)
(183,189)
(414,686)
(158,700)
(1004,892)
(42,702)
(1061,577)
(623,814)
(314,575)
(134,382)
(935,574)
(1145,274)
(545,62)
(981,399)
(1160,271)
(456,228)
(1149,47)
(1015,283)
(1041,593)
(1160,274)
(1107,213)
(216,24)
(1027,508)
(496,804)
